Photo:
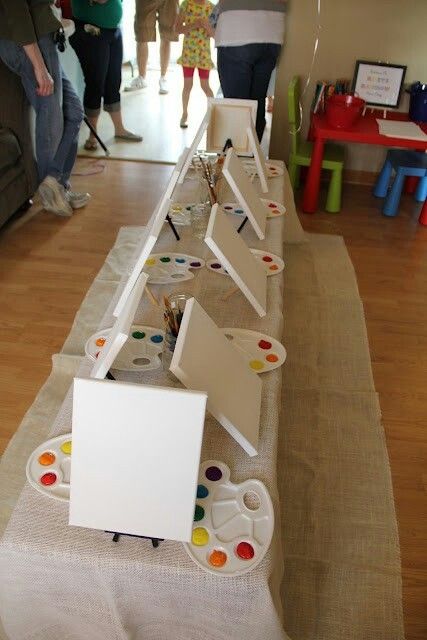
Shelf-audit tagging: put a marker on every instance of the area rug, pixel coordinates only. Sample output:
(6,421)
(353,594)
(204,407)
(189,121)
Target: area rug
(342,563)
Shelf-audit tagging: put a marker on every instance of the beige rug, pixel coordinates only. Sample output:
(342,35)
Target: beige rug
(342,565)
(342,558)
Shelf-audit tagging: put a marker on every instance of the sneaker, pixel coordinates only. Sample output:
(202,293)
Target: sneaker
(163,85)
(137,83)
(77,200)
(52,195)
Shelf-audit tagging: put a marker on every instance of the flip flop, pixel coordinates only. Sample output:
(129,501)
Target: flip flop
(129,137)
(91,145)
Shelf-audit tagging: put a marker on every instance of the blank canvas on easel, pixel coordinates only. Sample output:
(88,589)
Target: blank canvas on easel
(233,254)
(245,192)
(146,244)
(229,120)
(205,360)
(136,456)
(120,331)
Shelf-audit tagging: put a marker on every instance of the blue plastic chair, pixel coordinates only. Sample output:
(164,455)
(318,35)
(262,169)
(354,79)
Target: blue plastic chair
(404,163)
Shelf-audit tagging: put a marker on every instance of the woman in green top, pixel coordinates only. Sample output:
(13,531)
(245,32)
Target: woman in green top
(98,44)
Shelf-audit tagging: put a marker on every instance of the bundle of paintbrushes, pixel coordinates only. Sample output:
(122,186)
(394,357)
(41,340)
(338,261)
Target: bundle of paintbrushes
(208,176)
(172,318)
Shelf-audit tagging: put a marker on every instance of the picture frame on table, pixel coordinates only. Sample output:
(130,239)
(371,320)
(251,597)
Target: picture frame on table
(379,84)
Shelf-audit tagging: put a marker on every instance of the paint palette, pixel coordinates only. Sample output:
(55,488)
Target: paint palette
(271,263)
(180,213)
(261,352)
(48,467)
(273,170)
(233,523)
(167,268)
(141,351)
(275,209)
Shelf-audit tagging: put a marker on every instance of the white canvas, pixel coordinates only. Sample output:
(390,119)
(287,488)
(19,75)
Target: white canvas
(194,145)
(136,456)
(120,331)
(176,173)
(245,193)
(259,157)
(230,119)
(145,247)
(205,360)
(232,252)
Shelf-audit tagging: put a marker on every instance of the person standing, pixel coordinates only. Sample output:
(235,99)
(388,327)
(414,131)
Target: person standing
(249,35)
(193,21)
(148,12)
(98,44)
(28,34)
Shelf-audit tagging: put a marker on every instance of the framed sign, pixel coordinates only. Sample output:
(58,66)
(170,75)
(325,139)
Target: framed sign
(378,83)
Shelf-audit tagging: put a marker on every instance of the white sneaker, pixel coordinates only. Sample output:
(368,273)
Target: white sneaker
(163,85)
(77,200)
(52,195)
(137,83)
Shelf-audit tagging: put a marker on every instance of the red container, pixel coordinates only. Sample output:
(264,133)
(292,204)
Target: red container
(342,111)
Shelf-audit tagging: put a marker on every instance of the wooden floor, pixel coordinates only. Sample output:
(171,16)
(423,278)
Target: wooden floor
(47,264)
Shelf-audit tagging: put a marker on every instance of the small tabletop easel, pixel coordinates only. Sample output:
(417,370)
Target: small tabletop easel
(154,541)
(172,226)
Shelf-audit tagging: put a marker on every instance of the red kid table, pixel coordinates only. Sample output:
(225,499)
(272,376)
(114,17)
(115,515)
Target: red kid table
(364,131)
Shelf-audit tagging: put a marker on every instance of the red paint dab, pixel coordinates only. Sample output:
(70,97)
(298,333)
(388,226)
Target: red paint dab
(264,344)
(268,259)
(48,479)
(245,551)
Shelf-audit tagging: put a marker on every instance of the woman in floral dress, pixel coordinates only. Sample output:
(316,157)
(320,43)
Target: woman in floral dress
(196,50)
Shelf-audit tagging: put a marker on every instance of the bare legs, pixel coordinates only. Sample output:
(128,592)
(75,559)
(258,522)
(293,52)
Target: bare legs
(188,85)
(142,57)
(165,53)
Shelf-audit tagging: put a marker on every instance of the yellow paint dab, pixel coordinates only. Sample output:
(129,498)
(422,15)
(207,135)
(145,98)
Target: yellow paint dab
(257,365)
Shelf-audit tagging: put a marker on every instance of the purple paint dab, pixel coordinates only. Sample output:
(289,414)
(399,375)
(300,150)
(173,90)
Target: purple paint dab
(195,264)
(215,265)
(213,473)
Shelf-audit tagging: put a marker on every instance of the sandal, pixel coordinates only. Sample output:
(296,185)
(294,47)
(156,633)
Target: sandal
(91,145)
(183,124)
(128,136)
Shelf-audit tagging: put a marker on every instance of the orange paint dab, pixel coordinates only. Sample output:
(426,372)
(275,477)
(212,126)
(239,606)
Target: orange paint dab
(274,267)
(47,458)
(272,357)
(100,342)
(218,558)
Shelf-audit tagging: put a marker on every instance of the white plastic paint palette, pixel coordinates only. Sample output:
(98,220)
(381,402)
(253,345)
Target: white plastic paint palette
(233,523)
(271,263)
(261,352)
(273,170)
(180,212)
(141,351)
(167,268)
(48,467)
(275,209)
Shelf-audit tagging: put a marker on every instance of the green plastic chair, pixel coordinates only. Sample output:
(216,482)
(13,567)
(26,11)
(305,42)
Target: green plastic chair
(300,156)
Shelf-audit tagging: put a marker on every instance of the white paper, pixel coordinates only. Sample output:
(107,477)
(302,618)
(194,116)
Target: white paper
(401,129)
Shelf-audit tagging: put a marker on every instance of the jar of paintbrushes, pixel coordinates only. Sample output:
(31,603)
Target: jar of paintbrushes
(172,315)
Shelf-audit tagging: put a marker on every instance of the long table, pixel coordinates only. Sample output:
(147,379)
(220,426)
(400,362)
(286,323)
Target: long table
(63,582)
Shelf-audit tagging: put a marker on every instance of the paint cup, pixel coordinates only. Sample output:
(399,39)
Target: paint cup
(177,302)
(200,220)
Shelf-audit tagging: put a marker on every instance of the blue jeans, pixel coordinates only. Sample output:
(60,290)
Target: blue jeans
(244,73)
(58,116)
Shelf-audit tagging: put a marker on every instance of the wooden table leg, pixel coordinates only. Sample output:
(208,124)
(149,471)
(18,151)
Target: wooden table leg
(312,185)
(423,215)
